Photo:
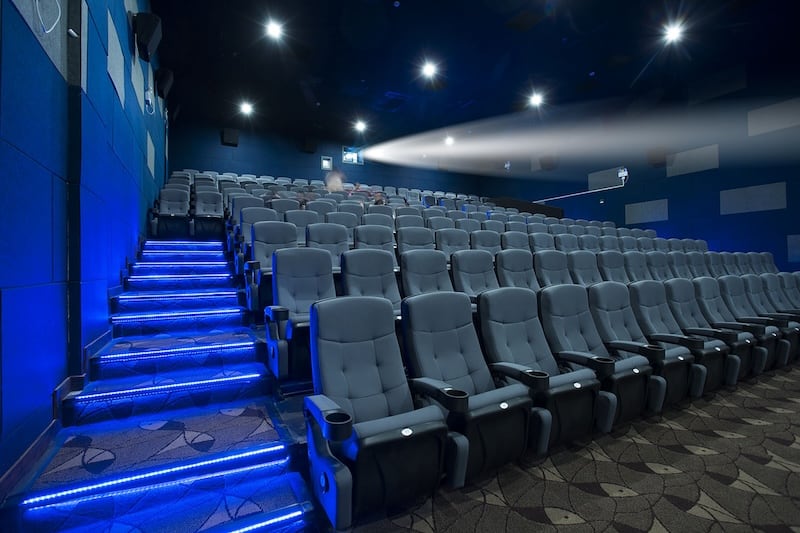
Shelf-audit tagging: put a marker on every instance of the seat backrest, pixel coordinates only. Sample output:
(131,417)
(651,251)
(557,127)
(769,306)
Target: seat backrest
(406,210)
(608,224)
(566,242)
(679,265)
(377,219)
(352,207)
(517,226)
(456,214)
(539,242)
(624,232)
(756,262)
(174,202)
(300,277)
(743,263)
(424,271)
(321,207)
(645,244)
(330,237)
(733,293)
(360,368)
(551,268)
(610,305)
(501,217)
(518,217)
(650,233)
(789,285)
(348,220)
(381,210)
(611,264)
(511,330)
(437,223)
(468,224)
(556,229)
(431,212)
(473,271)
(536,227)
(628,244)
(281,205)
(675,245)
(567,320)
(269,236)
(637,232)
(250,215)
(209,204)
(451,240)
(610,242)
(710,300)
(729,264)
(240,202)
(661,244)
(514,239)
(485,239)
(409,221)
(769,262)
(696,262)
(658,265)
(682,302)
(608,231)
(493,225)
(714,264)
(589,242)
(376,238)
(370,272)
(478,215)
(649,302)
(597,231)
(441,341)
(414,238)
(576,229)
(469,208)
(756,292)
(689,245)
(301,218)
(515,269)
(582,266)
(636,266)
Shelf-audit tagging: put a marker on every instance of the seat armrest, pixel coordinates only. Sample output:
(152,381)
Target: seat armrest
(764,321)
(252,266)
(536,380)
(336,423)
(755,329)
(782,318)
(693,343)
(452,399)
(603,366)
(276,313)
(728,337)
(653,352)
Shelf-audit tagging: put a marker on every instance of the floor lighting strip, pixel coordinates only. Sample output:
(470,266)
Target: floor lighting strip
(176,295)
(112,395)
(156,354)
(122,319)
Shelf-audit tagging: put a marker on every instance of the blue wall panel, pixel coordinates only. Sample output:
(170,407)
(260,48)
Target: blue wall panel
(98,85)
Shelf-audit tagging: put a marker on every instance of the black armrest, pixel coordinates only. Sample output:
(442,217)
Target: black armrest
(757,320)
(728,337)
(454,400)
(693,343)
(755,329)
(335,422)
(251,266)
(276,313)
(783,318)
(603,366)
(653,353)
(536,380)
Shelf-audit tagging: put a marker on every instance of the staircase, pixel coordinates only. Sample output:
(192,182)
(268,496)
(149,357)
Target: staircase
(182,360)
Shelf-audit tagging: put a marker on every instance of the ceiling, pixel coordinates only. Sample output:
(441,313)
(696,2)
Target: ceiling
(343,60)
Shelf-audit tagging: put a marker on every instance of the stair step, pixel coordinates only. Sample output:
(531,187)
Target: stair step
(129,356)
(142,323)
(182,255)
(178,281)
(168,268)
(183,245)
(175,299)
(113,399)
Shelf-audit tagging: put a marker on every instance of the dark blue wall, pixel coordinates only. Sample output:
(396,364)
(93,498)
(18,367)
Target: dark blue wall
(49,213)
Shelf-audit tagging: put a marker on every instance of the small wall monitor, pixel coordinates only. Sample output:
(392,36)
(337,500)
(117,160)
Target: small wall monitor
(352,155)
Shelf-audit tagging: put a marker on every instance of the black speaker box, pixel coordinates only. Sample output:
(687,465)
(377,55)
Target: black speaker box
(147,28)
(164,79)
(230,137)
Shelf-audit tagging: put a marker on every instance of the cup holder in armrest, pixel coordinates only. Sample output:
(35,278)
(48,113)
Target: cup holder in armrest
(456,400)
(606,360)
(339,425)
(539,380)
(653,347)
(603,366)
(456,393)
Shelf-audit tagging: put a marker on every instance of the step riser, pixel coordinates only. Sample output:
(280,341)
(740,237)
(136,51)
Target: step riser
(121,367)
(91,411)
(162,284)
(182,246)
(166,303)
(156,326)
(166,256)
(171,269)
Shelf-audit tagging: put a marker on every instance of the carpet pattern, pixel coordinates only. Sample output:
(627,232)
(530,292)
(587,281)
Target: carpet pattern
(729,462)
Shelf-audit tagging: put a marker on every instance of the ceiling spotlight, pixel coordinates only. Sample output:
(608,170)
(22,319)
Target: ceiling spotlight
(360,126)
(429,69)
(246,108)
(536,100)
(673,33)
(449,141)
(274,29)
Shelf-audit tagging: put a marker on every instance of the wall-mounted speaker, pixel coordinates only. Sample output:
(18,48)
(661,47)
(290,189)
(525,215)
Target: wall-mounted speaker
(229,137)
(164,79)
(548,162)
(308,145)
(657,157)
(147,28)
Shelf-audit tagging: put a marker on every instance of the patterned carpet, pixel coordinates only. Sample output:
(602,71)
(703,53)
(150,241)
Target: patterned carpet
(729,462)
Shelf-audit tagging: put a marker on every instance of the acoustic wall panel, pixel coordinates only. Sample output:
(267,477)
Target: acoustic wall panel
(116,61)
(643,212)
(774,117)
(151,156)
(695,160)
(751,199)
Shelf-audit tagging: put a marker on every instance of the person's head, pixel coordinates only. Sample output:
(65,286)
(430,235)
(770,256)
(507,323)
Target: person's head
(334,181)
(356,186)
(379,198)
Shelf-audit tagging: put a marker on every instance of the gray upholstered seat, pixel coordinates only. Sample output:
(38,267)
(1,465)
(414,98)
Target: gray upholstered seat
(536,227)
(424,271)
(551,268)
(679,265)
(439,222)
(513,340)
(409,221)
(370,272)
(516,226)
(375,237)
(369,445)
(788,319)
(566,242)
(610,242)
(729,264)
(743,263)
(514,239)
(301,219)
(675,245)
(381,210)
(468,224)
(628,244)
(645,244)
(714,264)
(352,207)
(572,335)
(636,266)
(451,240)
(171,218)
(321,207)
(414,238)
(655,318)
(515,269)
(541,241)
(485,239)
(348,220)
(658,265)
(611,265)
(582,265)
(378,219)
(208,216)
(265,238)
(494,225)
(441,344)
(473,272)
(281,205)
(330,237)
(661,244)
(696,262)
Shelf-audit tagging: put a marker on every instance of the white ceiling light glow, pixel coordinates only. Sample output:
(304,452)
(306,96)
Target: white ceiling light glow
(246,108)
(536,100)
(360,126)
(673,33)
(274,30)
(429,69)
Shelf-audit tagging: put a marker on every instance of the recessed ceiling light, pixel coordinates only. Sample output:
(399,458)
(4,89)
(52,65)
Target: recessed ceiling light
(246,108)
(673,32)
(429,69)
(449,141)
(360,126)
(536,100)
(274,29)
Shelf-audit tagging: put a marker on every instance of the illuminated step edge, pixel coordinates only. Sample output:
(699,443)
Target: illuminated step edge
(177,277)
(278,518)
(166,388)
(186,351)
(167,264)
(128,318)
(175,295)
(162,255)
(269,456)
(182,245)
